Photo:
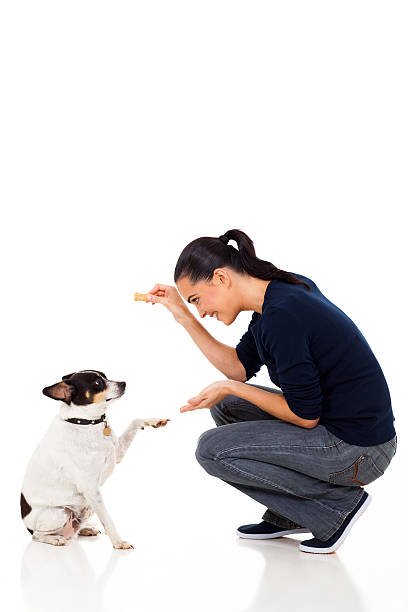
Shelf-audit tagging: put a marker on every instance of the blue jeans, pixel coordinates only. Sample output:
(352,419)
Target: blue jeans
(305,477)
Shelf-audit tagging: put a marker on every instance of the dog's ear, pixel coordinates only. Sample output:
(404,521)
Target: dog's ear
(60,391)
(67,376)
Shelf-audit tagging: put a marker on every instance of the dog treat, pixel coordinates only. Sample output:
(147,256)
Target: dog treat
(140,297)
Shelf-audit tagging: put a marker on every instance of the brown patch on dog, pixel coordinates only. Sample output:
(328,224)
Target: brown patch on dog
(87,394)
(25,506)
(99,397)
(25,509)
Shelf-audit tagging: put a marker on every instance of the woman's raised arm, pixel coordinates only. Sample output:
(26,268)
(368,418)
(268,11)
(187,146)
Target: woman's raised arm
(222,356)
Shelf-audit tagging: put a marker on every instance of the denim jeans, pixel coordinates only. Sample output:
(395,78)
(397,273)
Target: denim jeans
(306,478)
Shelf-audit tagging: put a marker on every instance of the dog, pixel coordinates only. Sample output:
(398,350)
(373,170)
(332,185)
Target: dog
(61,485)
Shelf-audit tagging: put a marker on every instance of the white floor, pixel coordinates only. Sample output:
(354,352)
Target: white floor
(187,557)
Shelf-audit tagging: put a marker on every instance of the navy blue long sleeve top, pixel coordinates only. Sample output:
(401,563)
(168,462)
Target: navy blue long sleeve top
(321,361)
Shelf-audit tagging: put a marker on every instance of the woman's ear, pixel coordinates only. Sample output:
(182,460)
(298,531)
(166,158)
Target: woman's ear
(221,276)
(60,391)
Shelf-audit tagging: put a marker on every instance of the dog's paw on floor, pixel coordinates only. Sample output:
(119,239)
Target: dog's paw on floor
(123,545)
(88,531)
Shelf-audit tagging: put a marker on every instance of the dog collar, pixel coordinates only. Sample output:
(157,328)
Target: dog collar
(106,430)
(86,421)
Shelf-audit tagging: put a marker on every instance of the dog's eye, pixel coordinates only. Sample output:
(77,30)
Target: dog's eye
(97,383)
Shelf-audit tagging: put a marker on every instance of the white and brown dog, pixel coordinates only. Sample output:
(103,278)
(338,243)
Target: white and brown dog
(61,487)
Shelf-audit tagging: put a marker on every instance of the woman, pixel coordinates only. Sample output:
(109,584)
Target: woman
(304,452)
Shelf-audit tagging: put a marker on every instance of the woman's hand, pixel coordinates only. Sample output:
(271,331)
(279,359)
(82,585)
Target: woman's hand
(171,299)
(209,396)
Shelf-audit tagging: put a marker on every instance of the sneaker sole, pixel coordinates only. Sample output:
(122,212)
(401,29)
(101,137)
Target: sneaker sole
(336,545)
(270,536)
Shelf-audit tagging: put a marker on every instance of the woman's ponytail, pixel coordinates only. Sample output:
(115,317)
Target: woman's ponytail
(202,256)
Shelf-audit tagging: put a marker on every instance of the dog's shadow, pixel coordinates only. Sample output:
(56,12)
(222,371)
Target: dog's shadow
(54,577)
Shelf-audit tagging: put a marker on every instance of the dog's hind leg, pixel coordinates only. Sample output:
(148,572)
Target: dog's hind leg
(55,526)
(54,539)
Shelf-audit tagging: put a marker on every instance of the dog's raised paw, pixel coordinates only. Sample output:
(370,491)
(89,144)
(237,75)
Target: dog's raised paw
(123,545)
(156,422)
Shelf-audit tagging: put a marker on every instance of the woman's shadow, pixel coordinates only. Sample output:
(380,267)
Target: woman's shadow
(61,578)
(294,580)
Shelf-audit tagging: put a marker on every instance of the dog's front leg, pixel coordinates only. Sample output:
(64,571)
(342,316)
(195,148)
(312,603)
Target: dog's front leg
(94,498)
(125,440)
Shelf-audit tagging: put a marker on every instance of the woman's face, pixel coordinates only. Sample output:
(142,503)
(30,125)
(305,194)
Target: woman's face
(216,297)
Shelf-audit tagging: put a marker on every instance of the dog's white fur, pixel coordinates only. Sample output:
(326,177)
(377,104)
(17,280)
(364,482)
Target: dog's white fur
(64,476)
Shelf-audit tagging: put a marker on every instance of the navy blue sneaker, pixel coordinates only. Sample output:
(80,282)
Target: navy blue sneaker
(266,531)
(329,546)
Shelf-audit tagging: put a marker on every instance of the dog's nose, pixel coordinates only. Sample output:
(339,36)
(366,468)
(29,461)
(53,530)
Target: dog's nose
(122,385)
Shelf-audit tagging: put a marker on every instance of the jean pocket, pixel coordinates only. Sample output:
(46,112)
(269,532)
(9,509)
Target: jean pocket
(360,473)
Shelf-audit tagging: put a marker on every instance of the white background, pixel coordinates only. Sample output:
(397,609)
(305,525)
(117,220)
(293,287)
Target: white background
(129,129)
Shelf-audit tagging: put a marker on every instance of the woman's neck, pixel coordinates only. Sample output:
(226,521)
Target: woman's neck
(252,292)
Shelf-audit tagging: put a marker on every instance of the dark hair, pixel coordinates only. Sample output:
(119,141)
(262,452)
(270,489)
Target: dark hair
(202,256)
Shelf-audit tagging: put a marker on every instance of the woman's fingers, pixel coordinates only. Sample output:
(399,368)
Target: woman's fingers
(189,407)
(156,299)
(197,399)
(195,403)
(158,291)
(169,297)
(159,288)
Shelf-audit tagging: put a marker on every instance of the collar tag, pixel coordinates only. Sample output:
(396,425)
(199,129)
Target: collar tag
(106,430)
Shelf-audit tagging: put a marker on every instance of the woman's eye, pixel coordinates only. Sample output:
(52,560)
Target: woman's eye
(195,300)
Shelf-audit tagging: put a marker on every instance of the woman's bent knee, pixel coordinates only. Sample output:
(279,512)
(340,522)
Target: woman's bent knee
(219,414)
(208,446)
(203,450)
(223,412)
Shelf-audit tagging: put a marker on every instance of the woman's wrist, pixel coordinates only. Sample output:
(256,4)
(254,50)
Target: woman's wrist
(188,320)
(232,387)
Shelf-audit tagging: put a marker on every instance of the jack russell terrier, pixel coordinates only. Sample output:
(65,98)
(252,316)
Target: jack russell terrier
(61,487)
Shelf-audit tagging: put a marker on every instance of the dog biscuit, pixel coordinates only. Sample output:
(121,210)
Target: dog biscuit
(141,297)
